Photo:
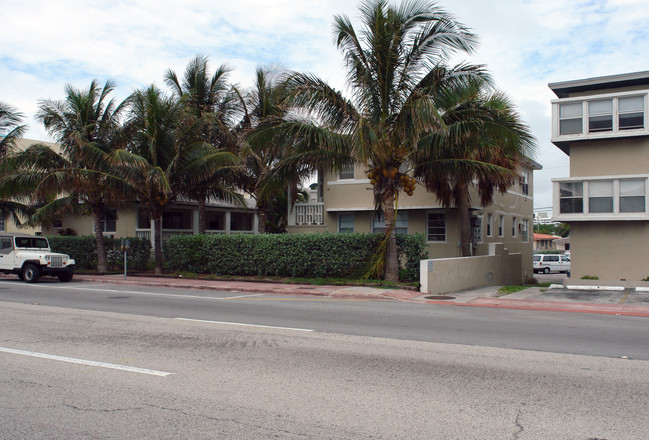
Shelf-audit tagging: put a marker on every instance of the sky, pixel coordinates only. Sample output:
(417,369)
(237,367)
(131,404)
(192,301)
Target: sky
(526,44)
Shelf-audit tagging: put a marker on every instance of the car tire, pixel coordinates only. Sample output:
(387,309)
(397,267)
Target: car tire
(31,273)
(65,277)
(546,270)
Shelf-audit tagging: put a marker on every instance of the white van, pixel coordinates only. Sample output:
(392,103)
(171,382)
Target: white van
(547,263)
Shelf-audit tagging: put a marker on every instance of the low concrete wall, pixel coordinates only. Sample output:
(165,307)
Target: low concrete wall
(444,275)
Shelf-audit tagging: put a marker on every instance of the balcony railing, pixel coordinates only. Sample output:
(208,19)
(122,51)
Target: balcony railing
(309,213)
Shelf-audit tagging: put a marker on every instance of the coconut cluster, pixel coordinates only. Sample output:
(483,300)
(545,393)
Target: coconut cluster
(381,175)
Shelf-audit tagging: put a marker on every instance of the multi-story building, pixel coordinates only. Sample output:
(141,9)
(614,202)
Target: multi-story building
(601,124)
(343,203)
(179,218)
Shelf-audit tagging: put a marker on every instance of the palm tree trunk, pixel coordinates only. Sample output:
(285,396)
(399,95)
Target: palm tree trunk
(102,261)
(462,204)
(202,216)
(262,216)
(391,258)
(157,244)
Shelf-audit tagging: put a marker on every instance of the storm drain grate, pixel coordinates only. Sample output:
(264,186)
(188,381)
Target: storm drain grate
(439,297)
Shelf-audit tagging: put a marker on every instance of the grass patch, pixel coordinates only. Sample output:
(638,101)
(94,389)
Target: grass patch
(506,290)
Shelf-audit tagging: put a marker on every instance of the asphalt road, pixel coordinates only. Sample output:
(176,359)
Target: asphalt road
(128,369)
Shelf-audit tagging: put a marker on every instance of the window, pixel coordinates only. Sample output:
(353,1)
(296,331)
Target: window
(476,222)
(57,223)
(600,115)
(490,220)
(632,195)
(524,182)
(436,226)
(524,230)
(400,227)
(501,226)
(109,222)
(612,115)
(631,112)
(346,172)
(600,196)
(514,221)
(172,220)
(215,221)
(571,197)
(3,223)
(6,246)
(346,223)
(241,221)
(570,116)
(143,219)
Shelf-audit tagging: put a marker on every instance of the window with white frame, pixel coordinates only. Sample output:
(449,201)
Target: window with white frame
(346,172)
(490,225)
(346,223)
(108,222)
(501,226)
(571,198)
(400,227)
(615,114)
(600,196)
(632,195)
(524,182)
(603,196)
(525,236)
(436,226)
(514,225)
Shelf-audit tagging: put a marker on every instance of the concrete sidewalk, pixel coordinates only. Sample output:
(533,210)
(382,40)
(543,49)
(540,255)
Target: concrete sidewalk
(533,298)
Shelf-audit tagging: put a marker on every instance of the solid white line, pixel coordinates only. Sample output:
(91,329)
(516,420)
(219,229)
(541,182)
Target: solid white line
(246,325)
(244,296)
(174,295)
(85,362)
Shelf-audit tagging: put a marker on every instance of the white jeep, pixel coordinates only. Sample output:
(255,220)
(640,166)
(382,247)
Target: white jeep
(30,257)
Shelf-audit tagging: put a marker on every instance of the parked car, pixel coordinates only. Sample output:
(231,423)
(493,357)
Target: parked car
(547,263)
(30,257)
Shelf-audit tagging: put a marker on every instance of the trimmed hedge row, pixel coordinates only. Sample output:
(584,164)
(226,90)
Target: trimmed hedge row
(84,251)
(289,255)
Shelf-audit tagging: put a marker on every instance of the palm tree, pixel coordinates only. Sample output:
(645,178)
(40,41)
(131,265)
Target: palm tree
(484,142)
(164,156)
(264,108)
(210,105)
(80,177)
(391,76)
(12,199)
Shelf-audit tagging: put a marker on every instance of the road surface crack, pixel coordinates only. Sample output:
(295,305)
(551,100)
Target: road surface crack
(518,425)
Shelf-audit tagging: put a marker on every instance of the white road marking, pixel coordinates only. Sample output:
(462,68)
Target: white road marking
(174,295)
(85,362)
(244,296)
(246,325)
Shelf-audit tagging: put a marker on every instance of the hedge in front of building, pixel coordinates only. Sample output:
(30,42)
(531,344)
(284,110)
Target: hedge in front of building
(83,251)
(289,255)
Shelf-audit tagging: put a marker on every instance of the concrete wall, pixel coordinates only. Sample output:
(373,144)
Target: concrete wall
(446,275)
(609,250)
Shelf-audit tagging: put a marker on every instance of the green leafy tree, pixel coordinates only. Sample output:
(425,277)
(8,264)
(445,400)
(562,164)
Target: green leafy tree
(164,156)
(80,177)
(392,72)
(483,145)
(210,105)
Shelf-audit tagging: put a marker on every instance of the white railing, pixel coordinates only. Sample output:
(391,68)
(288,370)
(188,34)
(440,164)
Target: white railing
(309,214)
(166,233)
(143,233)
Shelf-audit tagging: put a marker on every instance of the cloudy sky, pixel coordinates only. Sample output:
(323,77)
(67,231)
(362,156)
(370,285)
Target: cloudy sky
(45,45)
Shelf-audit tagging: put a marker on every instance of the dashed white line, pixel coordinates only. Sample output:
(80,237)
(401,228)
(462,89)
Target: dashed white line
(246,325)
(85,362)
(244,296)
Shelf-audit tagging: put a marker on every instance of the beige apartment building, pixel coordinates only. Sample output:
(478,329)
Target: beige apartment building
(601,124)
(180,217)
(343,203)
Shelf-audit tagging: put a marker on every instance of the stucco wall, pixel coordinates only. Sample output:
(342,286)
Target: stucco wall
(609,250)
(609,157)
(444,275)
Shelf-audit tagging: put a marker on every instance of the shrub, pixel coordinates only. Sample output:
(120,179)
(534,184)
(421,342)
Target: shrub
(287,255)
(412,249)
(590,277)
(84,251)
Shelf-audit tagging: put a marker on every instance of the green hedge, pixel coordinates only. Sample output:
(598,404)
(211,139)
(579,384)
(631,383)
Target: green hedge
(411,249)
(289,255)
(84,251)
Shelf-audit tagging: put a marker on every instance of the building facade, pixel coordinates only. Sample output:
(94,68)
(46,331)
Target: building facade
(343,203)
(601,124)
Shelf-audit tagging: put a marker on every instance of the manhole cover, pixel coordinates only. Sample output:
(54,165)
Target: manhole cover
(439,297)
